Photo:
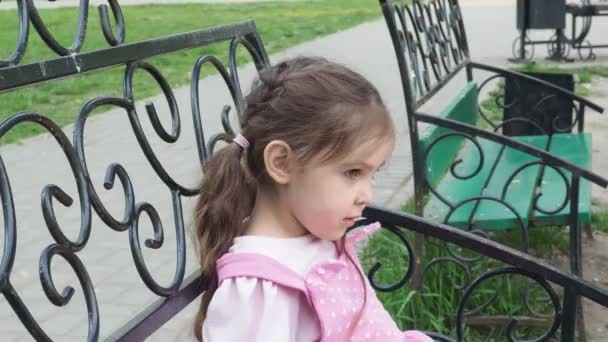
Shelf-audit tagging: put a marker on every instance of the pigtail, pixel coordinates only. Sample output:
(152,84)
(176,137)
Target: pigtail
(225,201)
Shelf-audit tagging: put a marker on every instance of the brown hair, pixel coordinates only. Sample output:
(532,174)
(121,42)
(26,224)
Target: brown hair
(318,108)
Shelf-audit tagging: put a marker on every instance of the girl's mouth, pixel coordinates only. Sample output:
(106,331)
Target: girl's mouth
(349,220)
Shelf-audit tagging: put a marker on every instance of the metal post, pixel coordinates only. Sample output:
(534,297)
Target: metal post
(521,58)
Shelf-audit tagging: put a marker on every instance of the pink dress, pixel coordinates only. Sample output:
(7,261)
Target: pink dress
(332,290)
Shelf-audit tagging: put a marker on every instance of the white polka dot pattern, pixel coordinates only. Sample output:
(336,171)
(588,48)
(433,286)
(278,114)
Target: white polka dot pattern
(336,292)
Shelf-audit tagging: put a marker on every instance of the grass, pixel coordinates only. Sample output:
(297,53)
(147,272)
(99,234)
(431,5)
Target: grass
(280,24)
(492,107)
(599,221)
(434,307)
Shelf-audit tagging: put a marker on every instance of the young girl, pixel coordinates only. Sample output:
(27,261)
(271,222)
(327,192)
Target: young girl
(275,206)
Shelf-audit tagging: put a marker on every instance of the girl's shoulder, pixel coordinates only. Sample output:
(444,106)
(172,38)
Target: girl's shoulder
(262,309)
(298,254)
(273,310)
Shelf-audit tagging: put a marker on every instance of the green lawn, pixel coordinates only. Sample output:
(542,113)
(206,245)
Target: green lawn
(434,307)
(281,25)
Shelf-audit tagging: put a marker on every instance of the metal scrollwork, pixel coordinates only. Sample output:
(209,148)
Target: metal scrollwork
(112,171)
(89,194)
(28,13)
(538,195)
(156,243)
(432,42)
(476,284)
(498,100)
(545,114)
(63,246)
(48,37)
(22,39)
(579,113)
(475,297)
(205,149)
(64,298)
(408,270)
(476,200)
(454,164)
(106,27)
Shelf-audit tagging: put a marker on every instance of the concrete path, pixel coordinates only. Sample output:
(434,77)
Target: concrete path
(37,161)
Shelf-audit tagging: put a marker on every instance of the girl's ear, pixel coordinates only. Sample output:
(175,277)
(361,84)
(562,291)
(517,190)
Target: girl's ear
(278,160)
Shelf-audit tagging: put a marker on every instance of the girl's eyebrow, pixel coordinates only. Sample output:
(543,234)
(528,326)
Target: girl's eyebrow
(364,164)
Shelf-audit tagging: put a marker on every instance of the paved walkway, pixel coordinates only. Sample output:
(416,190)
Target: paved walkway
(37,162)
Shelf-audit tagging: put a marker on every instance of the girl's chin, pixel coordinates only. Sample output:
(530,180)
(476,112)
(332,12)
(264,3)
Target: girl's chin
(336,234)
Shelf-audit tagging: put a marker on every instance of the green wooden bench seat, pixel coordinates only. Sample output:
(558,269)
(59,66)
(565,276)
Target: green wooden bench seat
(574,148)
(490,178)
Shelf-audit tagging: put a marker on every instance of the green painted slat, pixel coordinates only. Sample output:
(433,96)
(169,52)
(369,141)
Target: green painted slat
(575,148)
(489,215)
(492,215)
(455,190)
(462,108)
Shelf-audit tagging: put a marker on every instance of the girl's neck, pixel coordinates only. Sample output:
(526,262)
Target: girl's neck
(270,218)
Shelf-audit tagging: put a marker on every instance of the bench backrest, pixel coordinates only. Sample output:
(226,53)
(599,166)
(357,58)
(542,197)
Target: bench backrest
(71,62)
(462,108)
(431,47)
(430,44)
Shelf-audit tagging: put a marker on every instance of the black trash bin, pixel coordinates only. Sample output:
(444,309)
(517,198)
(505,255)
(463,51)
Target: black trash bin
(541,14)
(528,100)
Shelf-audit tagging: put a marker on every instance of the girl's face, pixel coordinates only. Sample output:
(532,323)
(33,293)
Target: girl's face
(326,198)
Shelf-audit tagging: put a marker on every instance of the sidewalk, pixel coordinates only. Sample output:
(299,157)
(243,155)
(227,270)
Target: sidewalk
(120,292)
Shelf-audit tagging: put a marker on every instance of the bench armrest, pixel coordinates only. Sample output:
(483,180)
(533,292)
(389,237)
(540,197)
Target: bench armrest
(556,89)
(546,157)
(522,261)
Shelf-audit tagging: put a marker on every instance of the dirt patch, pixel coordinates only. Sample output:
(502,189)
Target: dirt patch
(595,252)
(598,125)
(595,270)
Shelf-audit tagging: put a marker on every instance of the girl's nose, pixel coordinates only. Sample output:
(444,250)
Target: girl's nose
(364,196)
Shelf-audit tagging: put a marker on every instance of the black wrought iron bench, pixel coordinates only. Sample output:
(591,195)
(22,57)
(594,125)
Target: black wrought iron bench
(474,184)
(476,180)
(584,12)
(183,288)
(120,208)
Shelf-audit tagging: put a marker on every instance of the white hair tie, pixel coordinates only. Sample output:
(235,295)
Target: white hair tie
(240,140)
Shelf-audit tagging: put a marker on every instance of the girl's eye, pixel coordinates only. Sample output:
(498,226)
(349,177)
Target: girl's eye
(352,174)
